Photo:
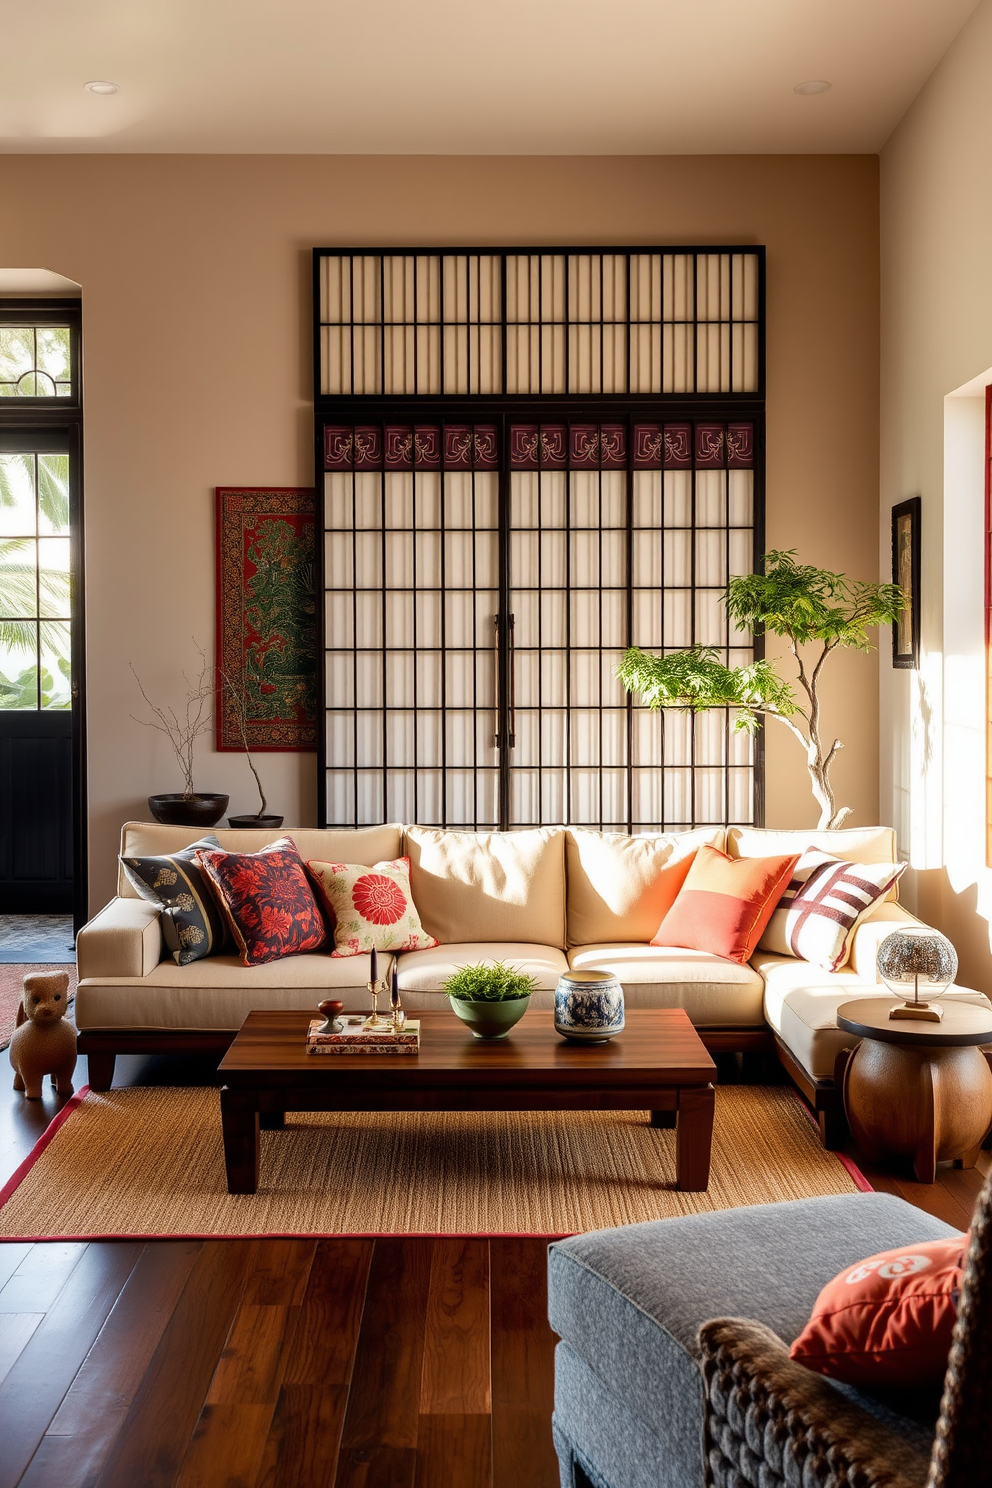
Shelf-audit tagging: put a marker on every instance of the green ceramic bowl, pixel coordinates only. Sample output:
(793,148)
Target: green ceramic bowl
(490,1020)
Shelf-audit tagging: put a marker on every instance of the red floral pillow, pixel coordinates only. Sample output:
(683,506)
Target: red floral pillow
(266,899)
(373,908)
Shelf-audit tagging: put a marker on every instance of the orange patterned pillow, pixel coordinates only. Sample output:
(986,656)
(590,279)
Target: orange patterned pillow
(725,903)
(373,908)
(889,1319)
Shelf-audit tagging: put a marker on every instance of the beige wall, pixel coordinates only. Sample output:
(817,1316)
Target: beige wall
(195,275)
(936,230)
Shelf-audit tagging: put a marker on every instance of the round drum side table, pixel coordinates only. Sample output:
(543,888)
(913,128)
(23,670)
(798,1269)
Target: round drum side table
(921,1090)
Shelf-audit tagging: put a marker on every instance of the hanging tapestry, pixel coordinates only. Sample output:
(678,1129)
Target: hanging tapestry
(266,618)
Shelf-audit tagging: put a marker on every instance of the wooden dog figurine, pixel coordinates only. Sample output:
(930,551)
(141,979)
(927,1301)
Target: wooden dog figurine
(43,1043)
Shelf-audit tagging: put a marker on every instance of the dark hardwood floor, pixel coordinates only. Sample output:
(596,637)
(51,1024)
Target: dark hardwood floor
(396,1363)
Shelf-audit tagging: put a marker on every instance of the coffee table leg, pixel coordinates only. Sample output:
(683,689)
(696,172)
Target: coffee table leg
(694,1137)
(239,1119)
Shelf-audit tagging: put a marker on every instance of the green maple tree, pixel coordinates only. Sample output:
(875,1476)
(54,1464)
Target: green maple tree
(817,612)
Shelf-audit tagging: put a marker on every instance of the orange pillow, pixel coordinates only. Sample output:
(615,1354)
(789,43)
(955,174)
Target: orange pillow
(888,1320)
(725,903)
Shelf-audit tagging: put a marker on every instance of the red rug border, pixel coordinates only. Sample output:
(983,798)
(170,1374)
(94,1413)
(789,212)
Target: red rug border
(857,1177)
(75,1101)
(23,1168)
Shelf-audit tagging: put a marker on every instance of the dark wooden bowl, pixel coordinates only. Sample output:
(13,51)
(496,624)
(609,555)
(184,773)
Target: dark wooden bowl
(177,810)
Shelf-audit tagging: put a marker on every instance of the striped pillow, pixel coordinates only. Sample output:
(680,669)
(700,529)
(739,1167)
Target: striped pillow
(824,904)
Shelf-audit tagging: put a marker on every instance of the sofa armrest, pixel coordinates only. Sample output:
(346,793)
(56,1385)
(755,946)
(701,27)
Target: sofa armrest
(123,940)
(869,935)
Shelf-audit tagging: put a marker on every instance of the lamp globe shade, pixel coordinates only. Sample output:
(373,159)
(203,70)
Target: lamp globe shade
(917,962)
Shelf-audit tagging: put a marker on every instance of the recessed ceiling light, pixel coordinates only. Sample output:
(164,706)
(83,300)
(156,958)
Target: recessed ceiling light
(815,85)
(99,87)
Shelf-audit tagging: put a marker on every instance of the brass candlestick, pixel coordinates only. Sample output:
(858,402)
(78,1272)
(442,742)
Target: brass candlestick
(398,1015)
(373,1020)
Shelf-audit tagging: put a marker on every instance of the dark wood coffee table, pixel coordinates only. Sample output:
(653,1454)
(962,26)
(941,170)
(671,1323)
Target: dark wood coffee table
(658,1064)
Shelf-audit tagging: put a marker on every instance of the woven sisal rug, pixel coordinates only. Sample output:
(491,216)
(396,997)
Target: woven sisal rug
(150,1162)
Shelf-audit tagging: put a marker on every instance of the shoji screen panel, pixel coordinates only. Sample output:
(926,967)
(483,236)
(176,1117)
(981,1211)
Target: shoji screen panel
(664,323)
(411,594)
(581,539)
(624,534)
(693,519)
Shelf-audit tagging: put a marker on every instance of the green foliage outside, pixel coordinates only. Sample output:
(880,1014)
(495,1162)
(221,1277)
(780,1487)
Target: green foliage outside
(23,690)
(280,677)
(24,591)
(495,982)
(808,607)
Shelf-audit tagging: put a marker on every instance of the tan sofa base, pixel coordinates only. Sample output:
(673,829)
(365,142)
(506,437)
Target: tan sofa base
(545,899)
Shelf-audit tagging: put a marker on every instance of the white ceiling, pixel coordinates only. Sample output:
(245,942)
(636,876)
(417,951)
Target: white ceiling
(465,77)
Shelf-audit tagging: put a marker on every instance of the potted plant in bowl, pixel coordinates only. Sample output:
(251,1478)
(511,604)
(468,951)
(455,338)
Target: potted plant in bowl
(490,998)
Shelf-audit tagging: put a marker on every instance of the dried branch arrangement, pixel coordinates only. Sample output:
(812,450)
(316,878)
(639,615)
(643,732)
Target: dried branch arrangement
(184,727)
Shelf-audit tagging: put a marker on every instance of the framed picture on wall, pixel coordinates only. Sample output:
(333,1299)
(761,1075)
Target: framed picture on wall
(906,573)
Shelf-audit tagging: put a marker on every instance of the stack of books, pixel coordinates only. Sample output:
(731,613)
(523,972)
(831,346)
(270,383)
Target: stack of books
(355,1038)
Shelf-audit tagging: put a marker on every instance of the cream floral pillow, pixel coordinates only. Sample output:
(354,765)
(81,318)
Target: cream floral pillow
(372,908)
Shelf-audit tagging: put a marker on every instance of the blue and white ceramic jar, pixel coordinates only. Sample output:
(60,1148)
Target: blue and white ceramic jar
(588,1006)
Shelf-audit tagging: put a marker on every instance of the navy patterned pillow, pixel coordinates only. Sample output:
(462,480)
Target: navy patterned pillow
(192,924)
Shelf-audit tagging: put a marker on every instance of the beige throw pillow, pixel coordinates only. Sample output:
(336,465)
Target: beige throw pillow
(614,893)
(483,886)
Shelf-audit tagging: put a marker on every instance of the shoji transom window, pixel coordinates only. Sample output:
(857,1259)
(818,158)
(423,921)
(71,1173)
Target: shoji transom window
(531,460)
(538,323)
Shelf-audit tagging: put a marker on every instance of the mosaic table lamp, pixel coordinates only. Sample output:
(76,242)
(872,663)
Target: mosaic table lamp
(913,961)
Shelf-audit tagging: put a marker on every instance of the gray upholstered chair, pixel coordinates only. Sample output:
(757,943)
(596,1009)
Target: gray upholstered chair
(648,1397)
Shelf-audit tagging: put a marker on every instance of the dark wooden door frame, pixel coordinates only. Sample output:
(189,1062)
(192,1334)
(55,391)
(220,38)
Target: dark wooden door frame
(32,417)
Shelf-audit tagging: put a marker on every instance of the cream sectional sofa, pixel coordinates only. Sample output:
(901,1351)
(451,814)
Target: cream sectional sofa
(544,899)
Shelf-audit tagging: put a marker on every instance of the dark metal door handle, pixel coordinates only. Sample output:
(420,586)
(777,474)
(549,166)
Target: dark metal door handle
(496,677)
(512,687)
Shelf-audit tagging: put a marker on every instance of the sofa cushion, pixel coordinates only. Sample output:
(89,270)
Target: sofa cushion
(487,886)
(853,844)
(867,938)
(219,993)
(629,1301)
(725,903)
(801,1003)
(616,886)
(423,972)
(714,992)
(337,844)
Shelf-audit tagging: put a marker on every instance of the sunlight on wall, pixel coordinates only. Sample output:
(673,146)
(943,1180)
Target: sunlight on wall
(964,643)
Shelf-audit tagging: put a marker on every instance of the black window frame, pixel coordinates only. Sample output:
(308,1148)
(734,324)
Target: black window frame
(22,417)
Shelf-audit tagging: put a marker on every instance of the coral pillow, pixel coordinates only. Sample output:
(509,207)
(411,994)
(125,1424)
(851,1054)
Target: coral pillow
(267,900)
(823,906)
(725,903)
(888,1320)
(373,908)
